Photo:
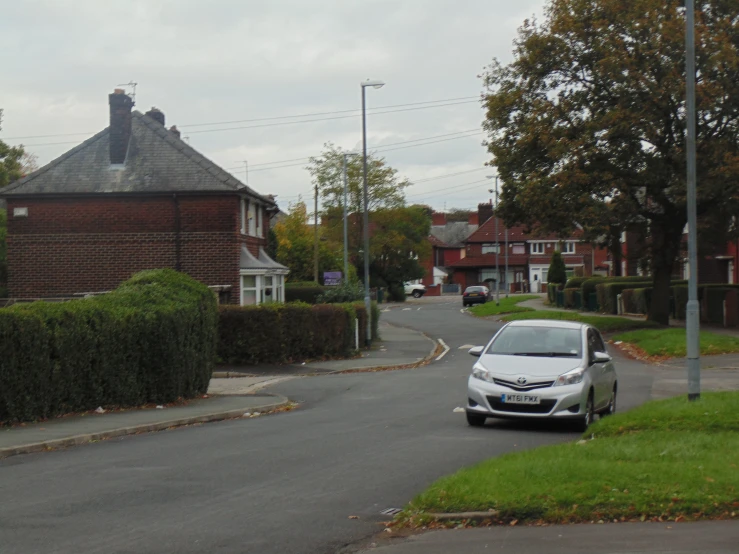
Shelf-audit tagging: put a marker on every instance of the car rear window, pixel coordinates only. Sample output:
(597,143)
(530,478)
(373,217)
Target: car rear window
(537,341)
(475,289)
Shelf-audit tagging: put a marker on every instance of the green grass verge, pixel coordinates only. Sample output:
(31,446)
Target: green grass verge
(507,306)
(606,324)
(671,342)
(668,459)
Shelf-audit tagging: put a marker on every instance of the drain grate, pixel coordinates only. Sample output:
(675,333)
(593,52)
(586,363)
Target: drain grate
(391,511)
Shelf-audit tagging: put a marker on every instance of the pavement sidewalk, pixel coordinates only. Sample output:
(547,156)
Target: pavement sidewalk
(227,397)
(706,537)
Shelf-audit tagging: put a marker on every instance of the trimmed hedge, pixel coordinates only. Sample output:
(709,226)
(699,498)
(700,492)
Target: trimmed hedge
(285,333)
(552,289)
(637,301)
(711,297)
(576,282)
(151,340)
(304,292)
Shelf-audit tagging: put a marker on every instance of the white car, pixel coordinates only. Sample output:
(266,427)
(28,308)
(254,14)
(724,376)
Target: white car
(414,289)
(542,369)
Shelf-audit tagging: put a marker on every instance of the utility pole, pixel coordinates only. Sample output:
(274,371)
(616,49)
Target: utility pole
(497,241)
(315,227)
(692,322)
(346,229)
(507,286)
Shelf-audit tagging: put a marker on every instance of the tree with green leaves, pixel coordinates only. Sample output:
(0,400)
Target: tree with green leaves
(11,161)
(296,246)
(587,124)
(557,270)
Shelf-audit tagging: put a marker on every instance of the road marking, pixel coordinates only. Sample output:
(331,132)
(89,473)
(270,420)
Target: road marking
(418,309)
(406,309)
(446,349)
(466,347)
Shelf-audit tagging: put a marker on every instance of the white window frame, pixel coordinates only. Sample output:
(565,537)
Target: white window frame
(260,281)
(538,248)
(569,247)
(491,248)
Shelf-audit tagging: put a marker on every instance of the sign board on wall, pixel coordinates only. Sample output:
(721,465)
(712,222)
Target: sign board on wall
(331,278)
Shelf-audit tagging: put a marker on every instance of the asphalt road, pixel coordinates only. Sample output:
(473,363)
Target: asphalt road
(288,483)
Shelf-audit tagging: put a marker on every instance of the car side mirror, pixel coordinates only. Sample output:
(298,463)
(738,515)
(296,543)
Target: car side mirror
(476,351)
(601,358)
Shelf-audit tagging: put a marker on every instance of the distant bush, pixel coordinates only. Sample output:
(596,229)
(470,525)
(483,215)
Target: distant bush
(151,340)
(576,282)
(557,270)
(345,292)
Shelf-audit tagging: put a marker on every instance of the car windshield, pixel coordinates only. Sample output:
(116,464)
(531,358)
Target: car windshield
(537,341)
(474,289)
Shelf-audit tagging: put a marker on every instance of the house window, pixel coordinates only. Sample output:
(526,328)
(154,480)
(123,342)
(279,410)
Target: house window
(519,249)
(537,248)
(249,290)
(568,248)
(252,213)
(260,222)
(243,216)
(262,289)
(489,248)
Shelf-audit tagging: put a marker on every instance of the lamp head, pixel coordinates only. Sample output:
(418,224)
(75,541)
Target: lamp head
(373,84)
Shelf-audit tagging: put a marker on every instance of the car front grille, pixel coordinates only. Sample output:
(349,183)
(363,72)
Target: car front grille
(523,388)
(544,408)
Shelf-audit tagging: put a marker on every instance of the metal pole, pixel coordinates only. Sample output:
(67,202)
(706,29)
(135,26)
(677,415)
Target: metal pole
(497,248)
(346,232)
(315,245)
(507,286)
(367,303)
(692,321)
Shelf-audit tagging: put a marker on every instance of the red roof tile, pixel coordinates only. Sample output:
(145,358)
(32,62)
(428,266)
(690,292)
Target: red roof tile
(517,233)
(488,260)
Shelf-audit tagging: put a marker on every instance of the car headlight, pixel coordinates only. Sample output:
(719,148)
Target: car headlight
(570,378)
(479,372)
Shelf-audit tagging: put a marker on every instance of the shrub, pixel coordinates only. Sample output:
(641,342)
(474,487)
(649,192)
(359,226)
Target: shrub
(576,282)
(345,292)
(552,289)
(557,271)
(151,340)
(283,333)
(396,292)
(637,301)
(303,292)
(569,298)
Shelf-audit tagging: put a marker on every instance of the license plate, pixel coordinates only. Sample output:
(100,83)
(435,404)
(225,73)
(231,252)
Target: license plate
(519,399)
(473,294)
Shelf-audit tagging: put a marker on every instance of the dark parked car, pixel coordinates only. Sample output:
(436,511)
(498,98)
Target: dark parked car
(475,295)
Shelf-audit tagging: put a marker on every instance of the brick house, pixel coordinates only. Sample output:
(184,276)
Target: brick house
(528,256)
(132,197)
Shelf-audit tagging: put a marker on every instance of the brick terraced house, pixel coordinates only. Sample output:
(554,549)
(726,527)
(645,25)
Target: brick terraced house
(135,197)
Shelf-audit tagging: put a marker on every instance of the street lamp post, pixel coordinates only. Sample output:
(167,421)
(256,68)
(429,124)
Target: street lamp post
(692,322)
(367,303)
(497,241)
(346,230)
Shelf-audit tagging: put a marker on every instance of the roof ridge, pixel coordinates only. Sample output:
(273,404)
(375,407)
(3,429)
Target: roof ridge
(196,157)
(53,163)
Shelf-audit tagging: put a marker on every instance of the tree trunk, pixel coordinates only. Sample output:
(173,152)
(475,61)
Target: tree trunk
(665,248)
(615,248)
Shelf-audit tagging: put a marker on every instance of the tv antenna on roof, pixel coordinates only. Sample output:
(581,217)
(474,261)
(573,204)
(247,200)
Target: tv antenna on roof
(133,86)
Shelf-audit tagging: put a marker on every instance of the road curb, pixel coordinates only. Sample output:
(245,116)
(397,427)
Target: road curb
(136,429)
(469,516)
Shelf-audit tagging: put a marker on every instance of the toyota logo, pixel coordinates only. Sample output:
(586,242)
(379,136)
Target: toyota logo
(521,380)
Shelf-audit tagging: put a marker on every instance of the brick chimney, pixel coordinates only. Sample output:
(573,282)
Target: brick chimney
(484,212)
(175,131)
(120,125)
(156,115)
(473,219)
(438,218)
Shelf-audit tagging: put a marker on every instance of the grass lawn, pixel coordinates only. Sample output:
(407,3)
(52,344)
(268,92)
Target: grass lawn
(507,306)
(671,342)
(605,324)
(670,459)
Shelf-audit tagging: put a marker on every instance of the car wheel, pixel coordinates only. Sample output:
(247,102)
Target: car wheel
(475,420)
(417,294)
(587,418)
(611,409)
(464,304)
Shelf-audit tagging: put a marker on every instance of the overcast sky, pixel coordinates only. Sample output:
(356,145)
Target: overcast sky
(207,62)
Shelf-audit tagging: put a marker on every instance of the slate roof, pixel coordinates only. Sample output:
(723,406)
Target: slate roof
(454,233)
(157,161)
